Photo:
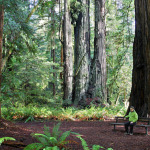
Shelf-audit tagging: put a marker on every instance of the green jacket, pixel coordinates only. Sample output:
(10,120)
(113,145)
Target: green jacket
(133,116)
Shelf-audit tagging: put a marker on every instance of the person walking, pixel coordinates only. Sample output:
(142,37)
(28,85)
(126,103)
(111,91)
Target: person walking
(133,117)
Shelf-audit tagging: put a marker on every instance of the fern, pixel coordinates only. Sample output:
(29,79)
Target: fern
(51,148)
(5,139)
(64,136)
(41,138)
(30,118)
(83,142)
(34,146)
(47,131)
(56,132)
(95,147)
(50,141)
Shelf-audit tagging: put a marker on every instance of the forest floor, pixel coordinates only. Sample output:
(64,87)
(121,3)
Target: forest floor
(94,132)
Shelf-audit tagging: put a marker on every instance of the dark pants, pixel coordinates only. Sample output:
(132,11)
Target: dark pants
(127,124)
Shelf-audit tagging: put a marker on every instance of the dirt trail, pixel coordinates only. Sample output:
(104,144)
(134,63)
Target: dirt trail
(94,132)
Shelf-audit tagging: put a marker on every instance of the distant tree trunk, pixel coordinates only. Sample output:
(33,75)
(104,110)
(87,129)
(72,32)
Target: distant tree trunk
(82,55)
(1,45)
(53,47)
(98,68)
(54,74)
(61,36)
(67,53)
(140,92)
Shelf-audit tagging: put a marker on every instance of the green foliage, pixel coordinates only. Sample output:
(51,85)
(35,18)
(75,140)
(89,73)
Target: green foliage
(76,8)
(53,141)
(29,72)
(95,147)
(29,80)
(16,27)
(30,118)
(33,112)
(6,139)
(119,45)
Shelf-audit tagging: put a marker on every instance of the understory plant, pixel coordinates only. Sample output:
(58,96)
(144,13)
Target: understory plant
(55,141)
(34,112)
(50,141)
(94,147)
(6,139)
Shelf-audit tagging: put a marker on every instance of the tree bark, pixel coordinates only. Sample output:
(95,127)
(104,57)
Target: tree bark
(61,37)
(67,53)
(97,86)
(82,55)
(1,46)
(53,46)
(54,74)
(140,92)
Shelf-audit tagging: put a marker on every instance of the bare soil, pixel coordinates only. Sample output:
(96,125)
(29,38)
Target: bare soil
(94,132)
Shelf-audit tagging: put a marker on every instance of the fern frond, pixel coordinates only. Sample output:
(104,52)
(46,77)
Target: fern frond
(41,138)
(5,139)
(47,131)
(64,136)
(76,133)
(63,145)
(53,141)
(51,148)
(34,146)
(56,132)
(83,142)
(69,142)
(109,149)
(97,147)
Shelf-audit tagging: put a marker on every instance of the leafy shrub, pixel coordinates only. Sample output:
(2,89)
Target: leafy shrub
(53,141)
(50,141)
(33,112)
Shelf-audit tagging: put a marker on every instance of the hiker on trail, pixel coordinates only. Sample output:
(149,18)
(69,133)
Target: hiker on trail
(133,117)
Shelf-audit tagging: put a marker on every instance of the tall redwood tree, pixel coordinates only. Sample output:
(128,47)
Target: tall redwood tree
(98,68)
(140,93)
(82,54)
(1,45)
(67,53)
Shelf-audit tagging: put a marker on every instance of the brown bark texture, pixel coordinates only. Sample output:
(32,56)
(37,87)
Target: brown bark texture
(54,74)
(82,55)
(53,45)
(67,53)
(1,46)
(140,92)
(98,68)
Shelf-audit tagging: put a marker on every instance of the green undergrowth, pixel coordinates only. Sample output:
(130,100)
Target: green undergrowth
(58,140)
(32,113)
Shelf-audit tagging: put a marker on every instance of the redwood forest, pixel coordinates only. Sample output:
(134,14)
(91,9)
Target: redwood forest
(71,71)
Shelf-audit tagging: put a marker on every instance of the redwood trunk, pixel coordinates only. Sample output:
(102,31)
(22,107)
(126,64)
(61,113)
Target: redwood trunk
(1,45)
(140,93)
(53,46)
(67,54)
(82,56)
(98,68)
(54,74)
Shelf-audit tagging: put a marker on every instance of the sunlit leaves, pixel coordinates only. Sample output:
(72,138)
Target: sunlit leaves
(119,45)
